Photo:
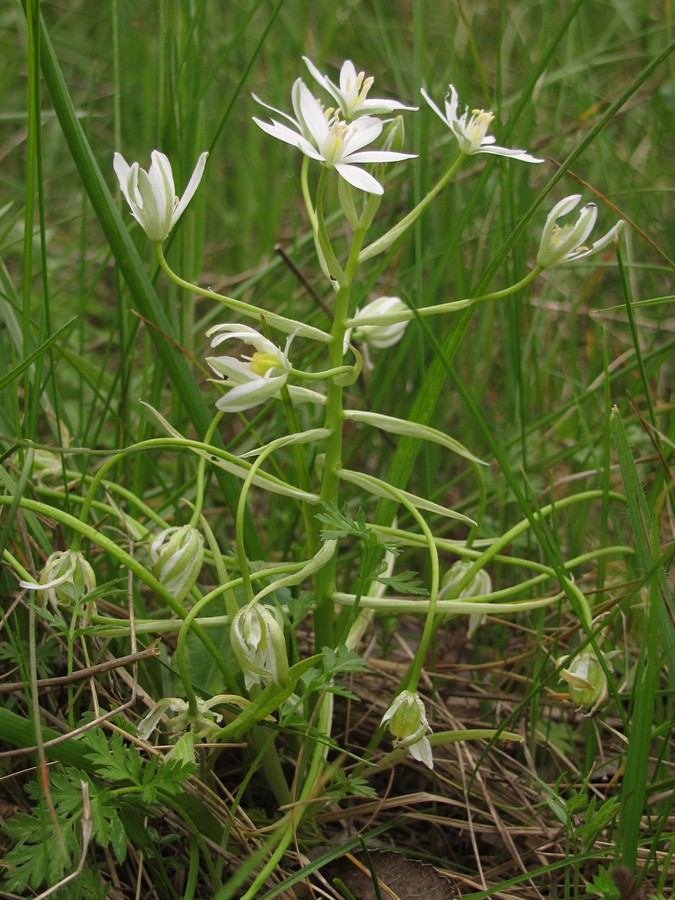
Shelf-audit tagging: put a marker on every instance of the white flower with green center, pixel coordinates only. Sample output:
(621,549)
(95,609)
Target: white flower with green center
(152,196)
(566,244)
(352,93)
(406,719)
(472,133)
(253,379)
(335,144)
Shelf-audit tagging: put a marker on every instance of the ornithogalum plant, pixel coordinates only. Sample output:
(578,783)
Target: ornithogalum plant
(352,145)
(346,135)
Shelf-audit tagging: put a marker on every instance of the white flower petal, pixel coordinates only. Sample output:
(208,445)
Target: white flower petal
(192,186)
(359,178)
(421,751)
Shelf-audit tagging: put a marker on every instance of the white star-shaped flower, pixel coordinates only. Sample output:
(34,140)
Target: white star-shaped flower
(472,133)
(352,93)
(336,144)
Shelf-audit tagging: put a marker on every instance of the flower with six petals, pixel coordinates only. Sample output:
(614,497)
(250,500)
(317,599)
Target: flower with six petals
(335,144)
(66,577)
(472,133)
(152,196)
(203,725)
(253,379)
(352,93)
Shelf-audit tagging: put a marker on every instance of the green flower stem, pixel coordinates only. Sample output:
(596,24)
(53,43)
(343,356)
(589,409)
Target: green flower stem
(402,606)
(509,536)
(106,625)
(326,579)
(302,471)
(145,446)
(288,326)
(14,564)
(113,488)
(415,670)
(287,827)
(438,739)
(225,586)
(181,644)
(383,243)
(453,306)
(335,271)
(300,437)
(201,466)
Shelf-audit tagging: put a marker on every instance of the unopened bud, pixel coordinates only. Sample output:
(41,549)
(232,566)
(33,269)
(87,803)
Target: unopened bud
(479,585)
(177,555)
(394,135)
(388,333)
(65,579)
(586,679)
(257,638)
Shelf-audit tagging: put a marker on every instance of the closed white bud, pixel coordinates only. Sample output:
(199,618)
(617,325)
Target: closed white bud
(257,638)
(586,679)
(479,585)
(177,555)
(64,580)
(378,336)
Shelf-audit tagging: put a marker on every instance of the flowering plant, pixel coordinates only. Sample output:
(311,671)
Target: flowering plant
(265,602)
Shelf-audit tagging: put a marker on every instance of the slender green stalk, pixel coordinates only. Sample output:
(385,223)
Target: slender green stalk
(246,309)
(326,578)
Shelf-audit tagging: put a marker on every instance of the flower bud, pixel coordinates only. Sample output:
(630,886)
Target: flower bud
(257,638)
(66,577)
(407,722)
(394,134)
(177,555)
(480,584)
(387,334)
(152,196)
(46,465)
(586,678)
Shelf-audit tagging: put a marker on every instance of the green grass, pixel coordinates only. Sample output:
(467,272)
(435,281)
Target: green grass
(563,388)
